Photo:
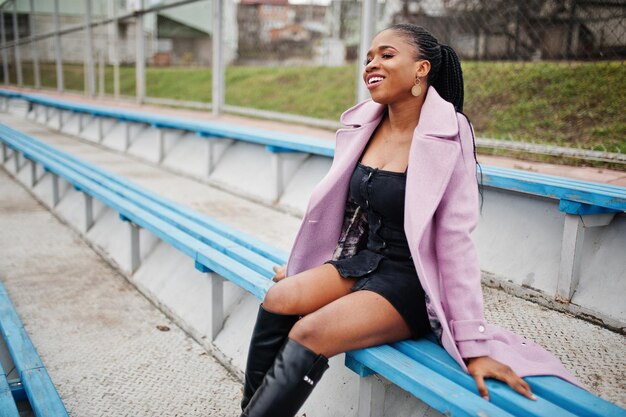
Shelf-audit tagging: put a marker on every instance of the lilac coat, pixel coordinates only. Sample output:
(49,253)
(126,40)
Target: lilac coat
(441,209)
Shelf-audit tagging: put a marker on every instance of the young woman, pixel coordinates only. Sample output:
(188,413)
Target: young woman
(384,251)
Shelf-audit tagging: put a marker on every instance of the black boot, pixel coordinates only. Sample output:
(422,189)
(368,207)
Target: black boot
(288,383)
(268,336)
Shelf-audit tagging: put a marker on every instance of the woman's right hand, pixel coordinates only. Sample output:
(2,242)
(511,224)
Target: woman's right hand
(279,272)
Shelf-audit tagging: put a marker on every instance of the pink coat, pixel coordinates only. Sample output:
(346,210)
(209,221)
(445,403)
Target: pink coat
(441,209)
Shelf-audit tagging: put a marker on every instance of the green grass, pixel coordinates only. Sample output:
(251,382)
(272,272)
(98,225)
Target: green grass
(567,104)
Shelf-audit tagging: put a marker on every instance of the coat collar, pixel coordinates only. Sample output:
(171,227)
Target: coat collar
(437,117)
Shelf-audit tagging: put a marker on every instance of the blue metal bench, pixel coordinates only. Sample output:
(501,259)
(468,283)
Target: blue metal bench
(35,381)
(421,367)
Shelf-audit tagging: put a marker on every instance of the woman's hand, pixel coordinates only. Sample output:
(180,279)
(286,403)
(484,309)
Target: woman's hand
(279,272)
(484,367)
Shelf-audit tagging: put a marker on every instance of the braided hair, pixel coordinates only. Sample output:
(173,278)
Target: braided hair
(445,73)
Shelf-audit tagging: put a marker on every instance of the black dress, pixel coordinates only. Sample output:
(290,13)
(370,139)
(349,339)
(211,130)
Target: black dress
(385,265)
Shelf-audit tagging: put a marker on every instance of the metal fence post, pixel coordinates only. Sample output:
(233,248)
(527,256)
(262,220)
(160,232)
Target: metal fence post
(57,48)
(116,50)
(16,47)
(90,78)
(140,64)
(5,58)
(218,58)
(33,49)
(368,26)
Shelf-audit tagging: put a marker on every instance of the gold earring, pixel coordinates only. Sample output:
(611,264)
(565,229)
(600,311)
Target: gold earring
(416,90)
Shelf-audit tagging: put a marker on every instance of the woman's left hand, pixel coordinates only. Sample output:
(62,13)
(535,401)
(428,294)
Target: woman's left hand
(485,367)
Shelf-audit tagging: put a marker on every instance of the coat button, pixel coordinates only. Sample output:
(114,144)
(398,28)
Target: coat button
(481,329)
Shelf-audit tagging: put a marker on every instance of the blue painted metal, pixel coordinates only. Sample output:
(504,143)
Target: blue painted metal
(278,149)
(42,396)
(429,386)
(436,358)
(200,231)
(8,408)
(202,268)
(595,194)
(575,207)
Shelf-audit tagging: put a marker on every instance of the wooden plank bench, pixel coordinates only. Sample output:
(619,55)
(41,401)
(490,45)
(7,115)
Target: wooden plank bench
(420,367)
(42,396)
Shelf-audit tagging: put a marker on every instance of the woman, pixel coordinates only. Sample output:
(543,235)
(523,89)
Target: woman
(384,251)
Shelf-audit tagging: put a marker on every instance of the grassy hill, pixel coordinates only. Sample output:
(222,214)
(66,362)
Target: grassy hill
(568,104)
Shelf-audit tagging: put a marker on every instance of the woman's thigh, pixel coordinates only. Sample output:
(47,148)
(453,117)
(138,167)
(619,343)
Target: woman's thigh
(358,320)
(307,291)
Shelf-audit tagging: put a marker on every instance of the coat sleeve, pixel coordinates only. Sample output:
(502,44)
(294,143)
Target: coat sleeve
(455,218)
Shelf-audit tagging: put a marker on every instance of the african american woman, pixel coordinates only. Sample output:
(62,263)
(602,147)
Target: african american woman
(384,250)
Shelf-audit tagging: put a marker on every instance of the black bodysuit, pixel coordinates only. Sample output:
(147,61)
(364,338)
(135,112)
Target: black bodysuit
(385,265)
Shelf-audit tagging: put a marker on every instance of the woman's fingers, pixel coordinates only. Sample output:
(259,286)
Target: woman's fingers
(520,386)
(279,272)
(482,387)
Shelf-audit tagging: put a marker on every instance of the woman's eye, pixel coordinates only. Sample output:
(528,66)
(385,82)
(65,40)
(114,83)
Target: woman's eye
(367,61)
(387,56)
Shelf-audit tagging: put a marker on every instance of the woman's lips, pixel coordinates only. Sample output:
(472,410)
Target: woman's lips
(374,81)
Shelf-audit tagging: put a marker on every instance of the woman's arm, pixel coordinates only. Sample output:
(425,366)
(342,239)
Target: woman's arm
(455,218)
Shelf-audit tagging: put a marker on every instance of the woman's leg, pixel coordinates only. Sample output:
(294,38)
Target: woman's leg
(285,301)
(360,319)
(307,291)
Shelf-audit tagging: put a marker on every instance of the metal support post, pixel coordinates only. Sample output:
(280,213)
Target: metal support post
(101,91)
(116,51)
(216,298)
(33,173)
(4,152)
(218,58)
(140,64)
(161,151)
(5,58)
(127,128)
(90,74)
(371,397)
(57,48)
(100,130)
(16,160)
(277,167)
(16,47)
(88,211)
(210,156)
(60,119)
(33,49)
(55,190)
(216,286)
(47,113)
(134,246)
(368,28)
(80,123)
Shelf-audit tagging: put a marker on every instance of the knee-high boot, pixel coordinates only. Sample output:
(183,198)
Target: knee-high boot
(268,336)
(288,383)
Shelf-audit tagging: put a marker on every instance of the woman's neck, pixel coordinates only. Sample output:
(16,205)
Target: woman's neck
(404,115)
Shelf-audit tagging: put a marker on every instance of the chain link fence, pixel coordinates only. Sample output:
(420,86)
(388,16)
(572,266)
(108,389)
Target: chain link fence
(538,73)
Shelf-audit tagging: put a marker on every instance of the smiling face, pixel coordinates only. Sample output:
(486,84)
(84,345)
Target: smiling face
(391,68)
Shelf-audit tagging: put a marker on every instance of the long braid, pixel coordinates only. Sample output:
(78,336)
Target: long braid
(445,74)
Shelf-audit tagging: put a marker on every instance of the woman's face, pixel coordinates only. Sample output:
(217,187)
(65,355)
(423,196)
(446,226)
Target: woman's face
(391,68)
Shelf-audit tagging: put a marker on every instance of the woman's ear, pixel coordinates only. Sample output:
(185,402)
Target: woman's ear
(422,68)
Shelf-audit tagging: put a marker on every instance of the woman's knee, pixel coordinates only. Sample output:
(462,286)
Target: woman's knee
(308,332)
(281,299)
